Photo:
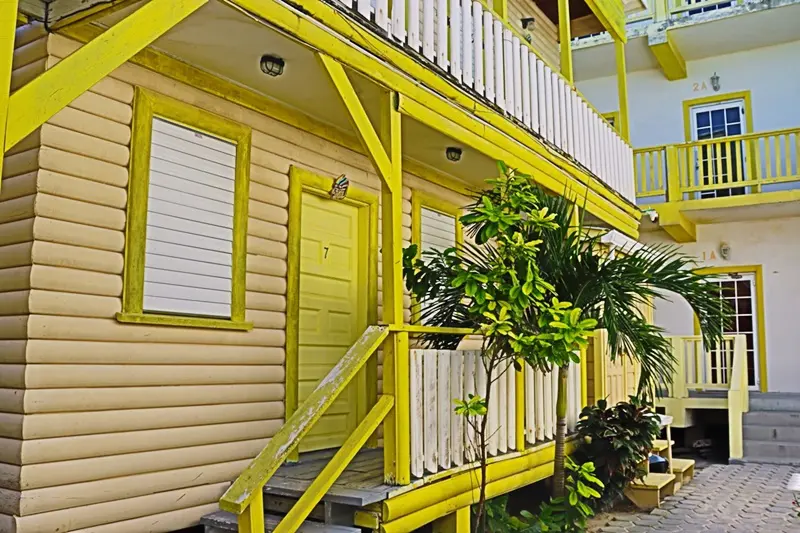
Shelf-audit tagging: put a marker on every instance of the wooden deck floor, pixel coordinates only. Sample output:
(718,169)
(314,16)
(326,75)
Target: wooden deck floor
(359,485)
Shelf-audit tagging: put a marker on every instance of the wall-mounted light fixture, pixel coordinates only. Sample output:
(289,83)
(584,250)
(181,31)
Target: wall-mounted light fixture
(272,65)
(715,82)
(527,23)
(453,153)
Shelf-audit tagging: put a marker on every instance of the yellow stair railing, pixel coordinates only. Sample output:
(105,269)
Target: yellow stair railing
(245,498)
(722,368)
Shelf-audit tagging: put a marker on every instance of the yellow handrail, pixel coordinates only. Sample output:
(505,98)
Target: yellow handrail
(738,397)
(246,490)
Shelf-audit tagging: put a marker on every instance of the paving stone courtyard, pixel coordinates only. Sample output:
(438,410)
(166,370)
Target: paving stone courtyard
(722,499)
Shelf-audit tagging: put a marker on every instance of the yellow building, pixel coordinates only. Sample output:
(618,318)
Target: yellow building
(202,213)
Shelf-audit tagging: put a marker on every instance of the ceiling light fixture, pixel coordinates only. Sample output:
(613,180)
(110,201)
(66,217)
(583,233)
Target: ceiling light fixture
(272,65)
(453,153)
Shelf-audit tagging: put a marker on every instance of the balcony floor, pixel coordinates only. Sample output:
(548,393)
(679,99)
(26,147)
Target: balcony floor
(360,484)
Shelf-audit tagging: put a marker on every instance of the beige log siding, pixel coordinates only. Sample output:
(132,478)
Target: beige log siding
(544,37)
(110,427)
(17,222)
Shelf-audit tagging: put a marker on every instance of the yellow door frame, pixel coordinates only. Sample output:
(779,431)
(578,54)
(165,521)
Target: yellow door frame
(300,181)
(758,275)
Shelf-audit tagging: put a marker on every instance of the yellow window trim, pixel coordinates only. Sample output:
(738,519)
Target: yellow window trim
(147,105)
(420,199)
(300,181)
(612,117)
(758,274)
(715,99)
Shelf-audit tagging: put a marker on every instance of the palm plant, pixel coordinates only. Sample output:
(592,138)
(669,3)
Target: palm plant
(609,288)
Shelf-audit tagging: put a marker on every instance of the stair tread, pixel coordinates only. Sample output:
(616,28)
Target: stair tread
(226,521)
(681,465)
(659,445)
(653,481)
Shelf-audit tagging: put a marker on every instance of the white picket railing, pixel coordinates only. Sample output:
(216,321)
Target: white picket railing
(541,393)
(442,439)
(475,47)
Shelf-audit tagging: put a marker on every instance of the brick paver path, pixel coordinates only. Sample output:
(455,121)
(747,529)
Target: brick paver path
(722,499)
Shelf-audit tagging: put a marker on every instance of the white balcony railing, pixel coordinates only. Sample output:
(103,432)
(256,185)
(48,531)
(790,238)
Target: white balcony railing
(484,55)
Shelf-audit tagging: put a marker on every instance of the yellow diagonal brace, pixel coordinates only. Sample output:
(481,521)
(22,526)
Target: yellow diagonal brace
(358,116)
(39,100)
(314,493)
(8,23)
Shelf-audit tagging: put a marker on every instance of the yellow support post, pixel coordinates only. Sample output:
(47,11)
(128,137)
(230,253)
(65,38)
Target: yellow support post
(457,522)
(519,379)
(36,102)
(584,379)
(8,25)
(252,519)
(565,38)
(385,151)
(622,91)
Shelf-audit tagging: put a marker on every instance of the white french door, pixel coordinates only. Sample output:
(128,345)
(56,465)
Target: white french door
(719,163)
(739,290)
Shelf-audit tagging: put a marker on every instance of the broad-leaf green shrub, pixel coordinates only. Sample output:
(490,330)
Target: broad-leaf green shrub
(618,441)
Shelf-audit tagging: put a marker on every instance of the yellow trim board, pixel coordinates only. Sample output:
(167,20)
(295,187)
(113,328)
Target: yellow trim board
(672,220)
(37,101)
(715,99)
(611,14)
(414,507)
(758,274)
(286,18)
(669,57)
(300,181)
(147,105)
(8,24)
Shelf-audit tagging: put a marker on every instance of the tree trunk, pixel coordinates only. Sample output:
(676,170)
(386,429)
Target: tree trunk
(561,433)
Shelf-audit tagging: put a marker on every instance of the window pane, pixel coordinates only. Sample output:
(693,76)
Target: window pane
(743,288)
(744,306)
(733,114)
(745,323)
(703,120)
(734,129)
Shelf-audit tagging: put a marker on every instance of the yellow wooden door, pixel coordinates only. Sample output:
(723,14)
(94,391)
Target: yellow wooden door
(332,308)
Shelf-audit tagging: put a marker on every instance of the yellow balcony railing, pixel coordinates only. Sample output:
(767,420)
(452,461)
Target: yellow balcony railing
(741,164)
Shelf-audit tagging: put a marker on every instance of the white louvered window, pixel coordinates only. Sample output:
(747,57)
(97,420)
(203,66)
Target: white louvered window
(188,259)
(437,230)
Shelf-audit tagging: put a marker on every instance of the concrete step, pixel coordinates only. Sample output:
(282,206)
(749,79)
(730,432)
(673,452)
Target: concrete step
(223,522)
(767,461)
(772,418)
(767,448)
(785,434)
(774,401)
